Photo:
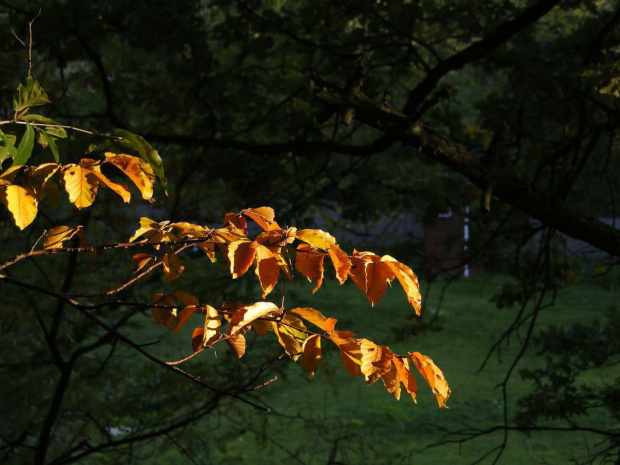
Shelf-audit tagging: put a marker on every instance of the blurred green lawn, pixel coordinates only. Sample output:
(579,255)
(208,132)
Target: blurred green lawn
(339,418)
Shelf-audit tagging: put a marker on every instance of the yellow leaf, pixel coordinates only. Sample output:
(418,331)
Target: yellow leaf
(211,327)
(55,237)
(120,189)
(81,184)
(433,376)
(316,238)
(245,315)
(146,225)
(311,357)
(291,334)
(21,203)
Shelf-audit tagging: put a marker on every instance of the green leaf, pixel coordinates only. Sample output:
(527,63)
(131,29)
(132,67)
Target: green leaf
(9,149)
(30,95)
(51,144)
(24,149)
(54,131)
(147,153)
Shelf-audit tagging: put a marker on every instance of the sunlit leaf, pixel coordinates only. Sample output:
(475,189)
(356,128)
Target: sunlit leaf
(81,184)
(291,333)
(376,360)
(21,203)
(433,376)
(408,280)
(311,354)
(263,216)
(244,316)
(147,153)
(135,169)
(309,262)
(140,260)
(267,269)
(241,255)
(56,236)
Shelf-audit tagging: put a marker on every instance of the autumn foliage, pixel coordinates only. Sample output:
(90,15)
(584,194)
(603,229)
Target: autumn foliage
(273,253)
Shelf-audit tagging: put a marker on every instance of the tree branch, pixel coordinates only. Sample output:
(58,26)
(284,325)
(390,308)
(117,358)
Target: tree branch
(509,188)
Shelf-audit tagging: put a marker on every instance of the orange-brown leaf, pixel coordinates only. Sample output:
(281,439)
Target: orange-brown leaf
(56,237)
(197,338)
(407,279)
(241,254)
(433,376)
(186,298)
(267,269)
(313,316)
(311,357)
(236,344)
(164,316)
(309,262)
(341,262)
(406,378)
(376,360)
(172,266)
(370,275)
(183,317)
(140,260)
(263,216)
(236,220)
(140,173)
(391,379)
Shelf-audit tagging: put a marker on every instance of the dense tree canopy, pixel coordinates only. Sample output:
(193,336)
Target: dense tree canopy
(341,115)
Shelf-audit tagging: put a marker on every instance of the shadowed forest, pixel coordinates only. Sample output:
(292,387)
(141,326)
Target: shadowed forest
(191,190)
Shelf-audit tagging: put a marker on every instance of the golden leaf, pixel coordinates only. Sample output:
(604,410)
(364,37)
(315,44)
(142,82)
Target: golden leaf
(55,237)
(311,357)
(21,203)
(291,333)
(316,238)
(81,185)
(370,275)
(120,189)
(236,220)
(140,173)
(211,327)
(140,260)
(376,360)
(245,315)
(313,316)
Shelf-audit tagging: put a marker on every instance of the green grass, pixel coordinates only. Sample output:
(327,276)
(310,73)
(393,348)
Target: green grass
(367,424)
